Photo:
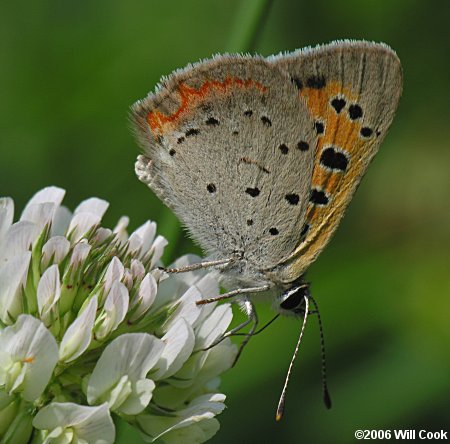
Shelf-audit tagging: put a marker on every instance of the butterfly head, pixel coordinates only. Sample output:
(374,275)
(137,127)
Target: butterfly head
(292,301)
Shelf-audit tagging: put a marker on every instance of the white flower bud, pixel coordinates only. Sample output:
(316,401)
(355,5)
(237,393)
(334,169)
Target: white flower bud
(93,205)
(69,423)
(48,293)
(18,238)
(12,277)
(137,269)
(56,249)
(143,298)
(79,335)
(81,224)
(114,310)
(6,215)
(114,272)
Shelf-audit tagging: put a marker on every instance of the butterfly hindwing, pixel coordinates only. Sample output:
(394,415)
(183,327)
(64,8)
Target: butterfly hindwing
(352,90)
(229,146)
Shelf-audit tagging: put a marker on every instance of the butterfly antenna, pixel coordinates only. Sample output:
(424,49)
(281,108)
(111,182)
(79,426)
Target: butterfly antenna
(280,408)
(326,393)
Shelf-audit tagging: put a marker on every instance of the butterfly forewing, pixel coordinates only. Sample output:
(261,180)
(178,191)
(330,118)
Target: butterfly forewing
(229,146)
(352,91)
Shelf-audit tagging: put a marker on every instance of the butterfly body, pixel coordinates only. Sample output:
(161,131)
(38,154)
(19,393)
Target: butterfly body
(259,158)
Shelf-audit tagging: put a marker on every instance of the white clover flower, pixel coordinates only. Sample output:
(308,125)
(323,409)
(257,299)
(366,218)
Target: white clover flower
(90,329)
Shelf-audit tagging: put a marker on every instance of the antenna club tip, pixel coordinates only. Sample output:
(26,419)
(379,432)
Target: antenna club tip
(327,399)
(280,409)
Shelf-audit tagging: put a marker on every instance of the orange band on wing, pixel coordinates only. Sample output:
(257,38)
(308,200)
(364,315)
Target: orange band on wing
(338,131)
(189,96)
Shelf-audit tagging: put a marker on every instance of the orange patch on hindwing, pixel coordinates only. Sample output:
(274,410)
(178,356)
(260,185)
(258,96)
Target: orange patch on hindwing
(190,96)
(340,144)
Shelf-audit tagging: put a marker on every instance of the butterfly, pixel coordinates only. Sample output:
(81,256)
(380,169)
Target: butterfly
(259,158)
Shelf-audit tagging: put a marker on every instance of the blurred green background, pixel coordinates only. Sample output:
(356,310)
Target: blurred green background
(68,73)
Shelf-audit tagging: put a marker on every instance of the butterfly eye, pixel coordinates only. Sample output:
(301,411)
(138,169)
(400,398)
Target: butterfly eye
(293,299)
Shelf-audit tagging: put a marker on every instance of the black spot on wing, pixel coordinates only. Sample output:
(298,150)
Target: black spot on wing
(320,128)
(338,104)
(316,82)
(283,148)
(253,191)
(305,230)
(333,159)
(303,146)
(192,132)
(266,121)
(212,121)
(366,131)
(355,112)
(292,198)
(318,197)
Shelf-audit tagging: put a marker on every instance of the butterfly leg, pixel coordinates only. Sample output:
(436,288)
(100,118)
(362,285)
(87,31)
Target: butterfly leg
(232,332)
(252,316)
(233,293)
(198,266)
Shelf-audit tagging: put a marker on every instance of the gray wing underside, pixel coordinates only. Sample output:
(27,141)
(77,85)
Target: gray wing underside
(229,164)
